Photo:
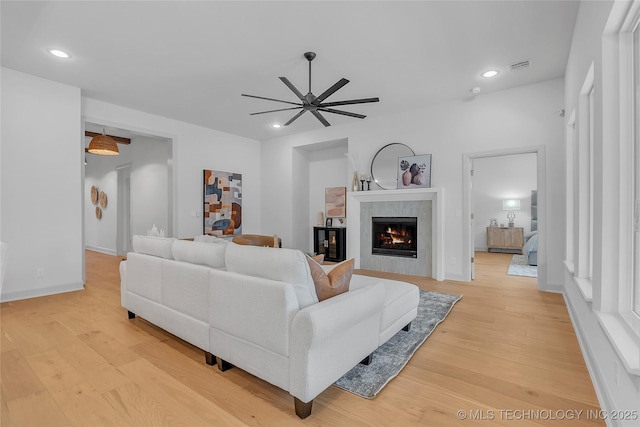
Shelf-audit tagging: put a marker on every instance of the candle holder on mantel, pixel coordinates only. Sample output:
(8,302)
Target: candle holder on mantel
(361,184)
(368,182)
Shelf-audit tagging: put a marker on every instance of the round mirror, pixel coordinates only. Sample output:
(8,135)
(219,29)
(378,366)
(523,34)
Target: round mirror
(384,166)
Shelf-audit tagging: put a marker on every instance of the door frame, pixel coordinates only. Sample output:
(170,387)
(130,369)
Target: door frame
(467,193)
(123,223)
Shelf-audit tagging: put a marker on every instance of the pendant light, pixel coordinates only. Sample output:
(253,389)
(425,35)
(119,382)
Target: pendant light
(103,145)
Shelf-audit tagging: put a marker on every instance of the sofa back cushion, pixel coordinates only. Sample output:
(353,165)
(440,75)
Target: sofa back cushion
(280,264)
(156,246)
(208,254)
(210,239)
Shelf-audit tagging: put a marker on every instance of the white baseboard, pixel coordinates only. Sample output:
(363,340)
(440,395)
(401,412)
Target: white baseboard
(557,289)
(597,379)
(106,251)
(455,277)
(34,293)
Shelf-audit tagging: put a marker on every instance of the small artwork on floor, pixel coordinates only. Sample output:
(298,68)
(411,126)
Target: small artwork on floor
(222,211)
(520,267)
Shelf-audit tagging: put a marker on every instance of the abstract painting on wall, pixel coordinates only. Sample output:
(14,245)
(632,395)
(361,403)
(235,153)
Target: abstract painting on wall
(335,202)
(222,212)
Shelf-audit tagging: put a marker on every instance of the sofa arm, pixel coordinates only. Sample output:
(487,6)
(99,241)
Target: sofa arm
(331,337)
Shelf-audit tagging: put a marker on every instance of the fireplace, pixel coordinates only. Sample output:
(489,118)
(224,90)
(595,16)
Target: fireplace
(394,236)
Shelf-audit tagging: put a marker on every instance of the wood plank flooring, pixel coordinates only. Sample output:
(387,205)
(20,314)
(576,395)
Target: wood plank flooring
(506,355)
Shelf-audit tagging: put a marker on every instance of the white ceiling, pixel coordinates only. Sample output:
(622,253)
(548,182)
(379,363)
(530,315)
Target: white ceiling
(190,61)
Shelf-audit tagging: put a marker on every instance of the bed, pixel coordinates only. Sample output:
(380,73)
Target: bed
(530,248)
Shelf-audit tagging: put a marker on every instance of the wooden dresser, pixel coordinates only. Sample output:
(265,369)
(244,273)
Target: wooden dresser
(505,239)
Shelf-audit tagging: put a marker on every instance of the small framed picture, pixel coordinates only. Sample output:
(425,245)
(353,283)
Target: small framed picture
(414,171)
(329,222)
(493,223)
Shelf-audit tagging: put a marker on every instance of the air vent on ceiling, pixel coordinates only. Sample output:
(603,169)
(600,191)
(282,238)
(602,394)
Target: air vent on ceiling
(519,65)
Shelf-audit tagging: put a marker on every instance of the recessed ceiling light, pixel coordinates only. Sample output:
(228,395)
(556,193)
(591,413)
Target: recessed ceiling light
(276,125)
(59,53)
(475,90)
(490,73)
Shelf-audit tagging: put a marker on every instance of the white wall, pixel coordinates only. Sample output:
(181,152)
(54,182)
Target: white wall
(521,117)
(499,178)
(326,169)
(42,157)
(193,149)
(616,388)
(148,159)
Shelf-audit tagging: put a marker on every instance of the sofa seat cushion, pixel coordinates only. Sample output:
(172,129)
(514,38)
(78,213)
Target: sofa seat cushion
(201,253)
(151,245)
(400,303)
(279,264)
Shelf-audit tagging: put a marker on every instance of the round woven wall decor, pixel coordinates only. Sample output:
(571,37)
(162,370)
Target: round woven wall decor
(94,194)
(98,212)
(103,199)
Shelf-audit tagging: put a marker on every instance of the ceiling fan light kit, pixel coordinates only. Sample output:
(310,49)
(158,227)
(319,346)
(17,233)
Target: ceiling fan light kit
(315,104)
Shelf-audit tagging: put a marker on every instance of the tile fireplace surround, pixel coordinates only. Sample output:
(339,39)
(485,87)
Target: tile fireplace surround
(356,238)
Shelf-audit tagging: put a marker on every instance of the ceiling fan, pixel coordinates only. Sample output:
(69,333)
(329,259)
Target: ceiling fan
(315,104)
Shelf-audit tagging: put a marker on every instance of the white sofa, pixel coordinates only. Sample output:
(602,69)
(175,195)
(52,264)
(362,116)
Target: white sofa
(256,308)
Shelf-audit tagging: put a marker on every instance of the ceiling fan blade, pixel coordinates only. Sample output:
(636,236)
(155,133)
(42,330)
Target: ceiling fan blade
(349,102)
(294,117)
(330,91)
(271,99)
(344,113)
(292,87)
(320,117)
(273,111)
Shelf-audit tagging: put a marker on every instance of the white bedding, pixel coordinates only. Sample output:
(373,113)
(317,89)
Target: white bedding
(531,245)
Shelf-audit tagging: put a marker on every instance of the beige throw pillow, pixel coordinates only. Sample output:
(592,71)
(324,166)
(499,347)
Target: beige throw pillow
(318,258)
(334,283)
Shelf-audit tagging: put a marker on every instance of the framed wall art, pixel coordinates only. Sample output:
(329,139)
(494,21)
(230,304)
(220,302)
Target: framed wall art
(414,171)
(335,202)
(222,210)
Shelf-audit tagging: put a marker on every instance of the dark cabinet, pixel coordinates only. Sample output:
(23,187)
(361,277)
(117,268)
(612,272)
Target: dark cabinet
(331,242)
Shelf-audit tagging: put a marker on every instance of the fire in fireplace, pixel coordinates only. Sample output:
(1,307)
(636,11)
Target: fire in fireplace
(394,236)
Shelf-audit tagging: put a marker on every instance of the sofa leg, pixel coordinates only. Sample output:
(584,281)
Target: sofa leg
(209,358)
(367,360)
(303,410)
(131,315)
(223,365)
(407,327)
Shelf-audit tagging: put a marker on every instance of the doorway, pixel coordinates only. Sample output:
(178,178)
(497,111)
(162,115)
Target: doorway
(124,235)
(140,185)
(475,224)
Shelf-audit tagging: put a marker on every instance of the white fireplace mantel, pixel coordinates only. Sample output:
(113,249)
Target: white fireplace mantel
(418,194)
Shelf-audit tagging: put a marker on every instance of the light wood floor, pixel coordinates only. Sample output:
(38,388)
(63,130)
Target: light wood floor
(76,360)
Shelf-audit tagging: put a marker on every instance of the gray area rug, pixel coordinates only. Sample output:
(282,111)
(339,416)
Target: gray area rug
(389,359)
(520,267)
